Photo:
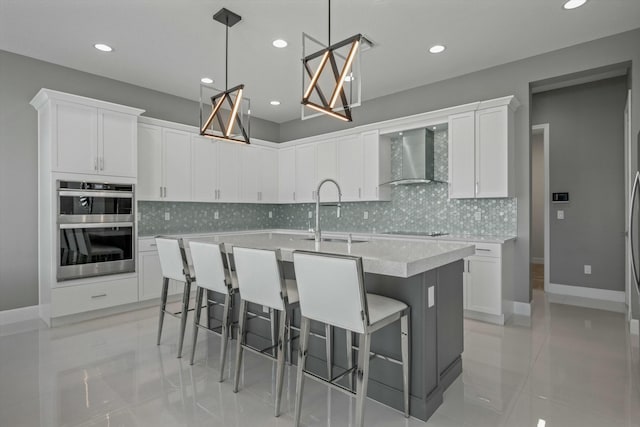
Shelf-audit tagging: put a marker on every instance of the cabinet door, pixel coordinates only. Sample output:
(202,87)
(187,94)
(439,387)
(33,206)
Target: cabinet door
(251,174)
(229,172)
(305,173)
(117,143)
(269,175)
(462,176)
(150,278)
(204,168)
(376,166)
(484,286)
(492,152)
(149,163)
(350,167)
(76,139)
(287,175)
(176,165)
(327,167)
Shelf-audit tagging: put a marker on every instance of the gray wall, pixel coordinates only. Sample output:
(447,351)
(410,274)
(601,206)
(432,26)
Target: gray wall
(586,158)
(508,79)
(20,79)
(537,196)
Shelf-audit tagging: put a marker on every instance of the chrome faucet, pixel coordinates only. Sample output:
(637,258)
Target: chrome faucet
(317,232)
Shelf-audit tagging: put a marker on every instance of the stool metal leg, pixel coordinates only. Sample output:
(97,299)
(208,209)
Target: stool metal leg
(240,339)
(404,342)
(224,335)
(196,321)
(280,360)
(302,360)
(363,377)
(163,306)
(350,356)
(328,334)
(183,315)
(274,327)
(289,347)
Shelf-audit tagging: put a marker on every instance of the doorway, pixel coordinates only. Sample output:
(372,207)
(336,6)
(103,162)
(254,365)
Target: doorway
(539,206)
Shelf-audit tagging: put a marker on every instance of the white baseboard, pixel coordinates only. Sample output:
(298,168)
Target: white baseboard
(535,260)
(19,315)
(522,308)
(580,291)
(634,326)
(484,317)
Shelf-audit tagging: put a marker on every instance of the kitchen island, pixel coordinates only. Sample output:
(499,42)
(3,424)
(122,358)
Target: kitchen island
(427,276)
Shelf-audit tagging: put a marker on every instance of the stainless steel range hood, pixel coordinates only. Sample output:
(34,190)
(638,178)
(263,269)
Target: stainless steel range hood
(418,159)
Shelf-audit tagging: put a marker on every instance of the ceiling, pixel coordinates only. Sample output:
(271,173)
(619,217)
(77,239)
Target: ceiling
(168,45)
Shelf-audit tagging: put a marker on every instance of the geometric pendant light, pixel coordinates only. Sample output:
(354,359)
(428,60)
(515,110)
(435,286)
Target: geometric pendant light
(331,76)
(216,121)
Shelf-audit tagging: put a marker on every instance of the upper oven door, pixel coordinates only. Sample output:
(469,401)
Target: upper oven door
(94,203)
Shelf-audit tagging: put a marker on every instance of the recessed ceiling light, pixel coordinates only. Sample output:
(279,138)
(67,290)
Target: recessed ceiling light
(279,43)
(103,47)
(437,48)
(573,4)
(206,80)
(275,103)
(434,128)
(400,133)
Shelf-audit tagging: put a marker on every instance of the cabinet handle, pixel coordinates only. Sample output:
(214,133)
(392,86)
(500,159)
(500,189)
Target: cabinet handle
(483,250)
(294,196)
(95,164)
(153,245)
(359,193)
(477,187)
(219,196)
(101,163)
(468,266)
(160,191)
(313,195)
(98,296)
(377,196)
(165,191)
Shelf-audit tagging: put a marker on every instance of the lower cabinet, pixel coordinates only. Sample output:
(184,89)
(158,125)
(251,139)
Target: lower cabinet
(66,300)
(488,282)
(150,273)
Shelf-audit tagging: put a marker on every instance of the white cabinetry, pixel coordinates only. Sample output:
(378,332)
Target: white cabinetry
(259,181)
(305,173)
(164,164)
(351,167)
(327,167)
(204,168)
(229,168)
(287,175)
(87,136)
(481,151)
(488,282)
(376,166)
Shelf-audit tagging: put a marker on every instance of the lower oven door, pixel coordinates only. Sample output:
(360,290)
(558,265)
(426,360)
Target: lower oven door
(97,249)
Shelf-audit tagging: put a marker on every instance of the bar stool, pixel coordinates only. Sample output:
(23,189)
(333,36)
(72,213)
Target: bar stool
(211,275)
(262,282)
(331,290)
(174,266)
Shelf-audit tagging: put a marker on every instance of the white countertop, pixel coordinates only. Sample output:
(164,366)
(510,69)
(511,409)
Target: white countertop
(388,256)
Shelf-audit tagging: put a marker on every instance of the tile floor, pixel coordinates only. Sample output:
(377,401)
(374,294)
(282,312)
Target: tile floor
(566,366)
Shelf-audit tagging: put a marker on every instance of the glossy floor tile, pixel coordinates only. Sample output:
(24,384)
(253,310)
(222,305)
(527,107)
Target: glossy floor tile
(565,366)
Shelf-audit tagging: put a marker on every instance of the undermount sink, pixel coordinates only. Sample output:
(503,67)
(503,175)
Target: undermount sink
(336,240)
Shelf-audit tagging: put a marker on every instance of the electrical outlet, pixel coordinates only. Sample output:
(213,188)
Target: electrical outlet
(366,214)
(478,216)
(310,214)
(560,214)
(431,296)
(167,216)
(216,215)
(587,269)
(270,214)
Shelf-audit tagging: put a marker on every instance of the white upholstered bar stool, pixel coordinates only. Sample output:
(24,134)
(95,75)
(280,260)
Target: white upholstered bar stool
(331,290)
(211,275)
(174,266)
(262,282)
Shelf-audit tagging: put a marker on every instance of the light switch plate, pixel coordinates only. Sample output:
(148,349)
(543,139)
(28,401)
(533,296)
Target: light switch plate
(478,216)
(216,215)
(270,214)
(431,297)
(167,216)
(310,214)
(587,269)
(366,214)
(560,214)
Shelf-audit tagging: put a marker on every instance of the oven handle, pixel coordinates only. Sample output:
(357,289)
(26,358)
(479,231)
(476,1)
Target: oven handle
(94,218)
(88,193)
(95,225)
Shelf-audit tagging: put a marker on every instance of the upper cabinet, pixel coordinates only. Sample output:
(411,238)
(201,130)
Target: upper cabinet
(86,136)
(376,157)
(327,168)
(481,151)
(306,179)
(259,180)
(164,164)
(287,175)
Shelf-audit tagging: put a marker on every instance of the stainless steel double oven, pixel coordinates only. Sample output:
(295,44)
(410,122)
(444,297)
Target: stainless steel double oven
(96,229)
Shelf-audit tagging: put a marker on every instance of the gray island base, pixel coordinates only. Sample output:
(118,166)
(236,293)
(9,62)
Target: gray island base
(434,295)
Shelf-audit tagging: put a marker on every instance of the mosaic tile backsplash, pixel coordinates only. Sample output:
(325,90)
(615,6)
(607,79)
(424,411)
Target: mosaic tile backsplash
(413,208)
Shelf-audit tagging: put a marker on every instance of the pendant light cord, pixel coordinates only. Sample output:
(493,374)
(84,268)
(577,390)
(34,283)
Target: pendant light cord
(226,57)
(329,30)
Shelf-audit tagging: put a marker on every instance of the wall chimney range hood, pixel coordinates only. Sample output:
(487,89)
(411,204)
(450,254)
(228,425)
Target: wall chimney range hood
(418,159)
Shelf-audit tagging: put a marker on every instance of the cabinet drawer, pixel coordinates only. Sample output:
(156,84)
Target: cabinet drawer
(147,245)
(93,296)
(488,249)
